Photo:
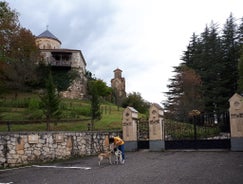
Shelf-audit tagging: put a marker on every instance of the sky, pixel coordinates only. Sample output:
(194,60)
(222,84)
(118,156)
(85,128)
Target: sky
(143,38)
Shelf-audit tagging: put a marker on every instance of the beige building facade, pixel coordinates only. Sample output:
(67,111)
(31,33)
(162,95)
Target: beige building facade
(64,59)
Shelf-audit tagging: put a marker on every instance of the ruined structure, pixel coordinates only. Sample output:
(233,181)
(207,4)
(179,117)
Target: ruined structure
(118,86)
(63,59)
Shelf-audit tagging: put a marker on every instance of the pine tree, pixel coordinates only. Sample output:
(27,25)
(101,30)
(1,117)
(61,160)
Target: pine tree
(231,54)
(240,64)
(240,72)
(184,93)
(96,89)
(203,55)
(50,102)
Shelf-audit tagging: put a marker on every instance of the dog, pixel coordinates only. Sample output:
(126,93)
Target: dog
(118,156)
(106,155)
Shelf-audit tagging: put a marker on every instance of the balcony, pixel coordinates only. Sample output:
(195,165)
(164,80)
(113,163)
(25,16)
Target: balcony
(61,59)
(60,63)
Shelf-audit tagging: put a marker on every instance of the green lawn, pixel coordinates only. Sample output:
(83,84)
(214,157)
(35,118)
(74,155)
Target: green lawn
(25,106)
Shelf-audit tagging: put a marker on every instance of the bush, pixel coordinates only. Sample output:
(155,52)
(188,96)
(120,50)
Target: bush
(85,111)
(33,104)
(36,114)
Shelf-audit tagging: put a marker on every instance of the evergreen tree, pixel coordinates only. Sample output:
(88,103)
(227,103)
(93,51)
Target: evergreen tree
(240,72)
(240,64)
(96,89)
(214,59)
(184,93)
(211,68)
(50,101)
(203,55)
(231,54)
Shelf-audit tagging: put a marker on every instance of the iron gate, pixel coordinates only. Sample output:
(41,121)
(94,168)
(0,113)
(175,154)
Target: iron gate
(143,134)
(204,131)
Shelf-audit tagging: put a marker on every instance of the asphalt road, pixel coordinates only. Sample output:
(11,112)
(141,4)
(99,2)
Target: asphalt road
(141,167)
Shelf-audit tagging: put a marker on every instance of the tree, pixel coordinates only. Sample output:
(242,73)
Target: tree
(136,101)
(50,101)
(211,72)
(205,55)
(240,72)
(240,64)
(18,51)
(214,59)
(9,25)
(184,93)
(96,89)
(231,55)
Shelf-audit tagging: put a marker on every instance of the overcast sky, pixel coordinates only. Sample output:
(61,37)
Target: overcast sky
(144,38)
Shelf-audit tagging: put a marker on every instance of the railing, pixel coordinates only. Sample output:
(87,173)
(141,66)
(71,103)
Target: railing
(63,63)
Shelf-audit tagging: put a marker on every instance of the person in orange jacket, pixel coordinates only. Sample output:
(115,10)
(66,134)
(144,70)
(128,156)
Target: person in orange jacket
(119,143)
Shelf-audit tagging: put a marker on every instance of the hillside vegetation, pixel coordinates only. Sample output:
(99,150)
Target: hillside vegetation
(23,113)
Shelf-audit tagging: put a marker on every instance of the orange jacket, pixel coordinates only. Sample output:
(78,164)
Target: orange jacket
(118,141)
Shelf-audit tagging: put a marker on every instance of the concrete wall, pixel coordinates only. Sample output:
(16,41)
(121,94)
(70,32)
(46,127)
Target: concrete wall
(17,149)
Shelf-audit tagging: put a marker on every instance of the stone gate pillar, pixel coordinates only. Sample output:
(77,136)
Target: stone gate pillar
(236,122)
(156,128)
(129,128)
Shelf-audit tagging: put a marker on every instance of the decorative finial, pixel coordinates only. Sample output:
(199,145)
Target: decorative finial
(47,27)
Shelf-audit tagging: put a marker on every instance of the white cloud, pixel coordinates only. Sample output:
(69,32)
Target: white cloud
(143,38)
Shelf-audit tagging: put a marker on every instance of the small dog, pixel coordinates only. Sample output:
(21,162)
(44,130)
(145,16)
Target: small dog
(102,156)
(118,156)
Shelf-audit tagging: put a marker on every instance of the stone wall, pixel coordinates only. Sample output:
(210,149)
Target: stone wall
(17,149)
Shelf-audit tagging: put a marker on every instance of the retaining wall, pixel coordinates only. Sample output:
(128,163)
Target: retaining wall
(17,149)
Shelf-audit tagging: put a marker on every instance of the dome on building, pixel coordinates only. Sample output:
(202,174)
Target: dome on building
(48,34)
(47,40)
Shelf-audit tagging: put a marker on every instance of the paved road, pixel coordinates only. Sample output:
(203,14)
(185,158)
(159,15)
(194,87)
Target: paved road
(141,167)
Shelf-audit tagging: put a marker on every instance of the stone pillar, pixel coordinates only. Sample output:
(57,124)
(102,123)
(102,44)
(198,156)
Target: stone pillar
(236,122)
(156,128)
(129,128)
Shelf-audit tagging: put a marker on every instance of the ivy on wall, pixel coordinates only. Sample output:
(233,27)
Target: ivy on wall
(63,78)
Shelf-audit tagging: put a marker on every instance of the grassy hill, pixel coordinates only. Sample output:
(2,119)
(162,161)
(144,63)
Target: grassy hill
(75,114)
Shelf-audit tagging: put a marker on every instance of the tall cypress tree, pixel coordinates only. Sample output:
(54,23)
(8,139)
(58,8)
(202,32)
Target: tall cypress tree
(240,64)
(203,55)
(184,93)
(50,101)
(212,66)
(215,59)
(231,54)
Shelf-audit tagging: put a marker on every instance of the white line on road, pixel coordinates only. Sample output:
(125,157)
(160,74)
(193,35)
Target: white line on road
(13,169)
(61,167)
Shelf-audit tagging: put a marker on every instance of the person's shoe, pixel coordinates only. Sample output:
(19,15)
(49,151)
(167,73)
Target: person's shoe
(123,161)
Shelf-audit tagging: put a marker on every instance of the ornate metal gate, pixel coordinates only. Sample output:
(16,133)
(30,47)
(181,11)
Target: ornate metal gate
(143,134)
(204,131)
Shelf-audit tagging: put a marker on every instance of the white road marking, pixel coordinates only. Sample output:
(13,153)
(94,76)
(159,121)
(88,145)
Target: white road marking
(61,167)
(14,169)
(57,167)
(7,183)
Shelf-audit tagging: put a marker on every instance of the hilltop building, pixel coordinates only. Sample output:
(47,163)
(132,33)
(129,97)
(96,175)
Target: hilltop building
(63,59)
(118,86)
